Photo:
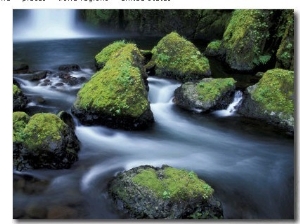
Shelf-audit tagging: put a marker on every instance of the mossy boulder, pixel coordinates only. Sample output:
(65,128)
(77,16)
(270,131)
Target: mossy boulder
(43,141)
(285,52)
(19,99)
(116,96)
(214,48)
(177,58)
(147,192)
(207,94)
(104,55)
(272,99)
(244,40)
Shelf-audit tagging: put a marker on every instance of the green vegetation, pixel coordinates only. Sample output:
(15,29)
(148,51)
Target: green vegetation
(211,89)
(245,38)
(177,57)
(103,56)
(42,130)
(118,89)
(16,90)
(20,120)
(214,45)
(275,91)
(96,16)
(173,184)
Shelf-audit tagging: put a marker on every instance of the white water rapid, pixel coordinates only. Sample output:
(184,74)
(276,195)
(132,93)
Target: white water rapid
(231,109)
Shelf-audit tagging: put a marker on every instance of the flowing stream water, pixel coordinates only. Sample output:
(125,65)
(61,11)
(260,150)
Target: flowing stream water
(250,166)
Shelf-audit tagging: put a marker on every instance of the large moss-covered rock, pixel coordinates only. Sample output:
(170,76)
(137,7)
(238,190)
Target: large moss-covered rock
(19,99)
(208,94)
(178,58)
(272,99)
(116,96)
(245,39)
(163,193)
(103,56)
(285,52)
(43,141)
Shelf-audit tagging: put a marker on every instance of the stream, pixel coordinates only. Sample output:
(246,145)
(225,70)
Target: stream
(250,165)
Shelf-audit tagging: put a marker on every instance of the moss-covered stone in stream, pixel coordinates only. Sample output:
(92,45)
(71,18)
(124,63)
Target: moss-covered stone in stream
(166,192)
(19,99)
(244,40)
(43,141)
(285,52)
(207,94)
(103,56)
(272,99)
(116,96)
(213,48)
(178,58)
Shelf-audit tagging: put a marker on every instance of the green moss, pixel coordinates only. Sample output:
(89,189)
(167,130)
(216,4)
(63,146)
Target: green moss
(211,89)
(285,52)
(16,90)
(174,184)
(43,130)
(117,89)
(275,91)
(214,45)
(176,56)
(104,55)
(20,119)
(245,38)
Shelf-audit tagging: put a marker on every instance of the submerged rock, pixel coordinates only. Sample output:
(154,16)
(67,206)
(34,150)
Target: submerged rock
(69,67)
(208,94)
(178,58)
(116,96)
(19,99)
(272,99)
(43,141)
(147,192)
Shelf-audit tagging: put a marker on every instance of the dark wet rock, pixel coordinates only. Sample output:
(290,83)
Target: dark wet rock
(46,82)
(18,213)
(59,84)
(147,192)
(67,118)
(20,68)
(36,210)
(69,67)
(61,212)
(28,184)
(208,94)
(43,141)
(69,79)
(19,99)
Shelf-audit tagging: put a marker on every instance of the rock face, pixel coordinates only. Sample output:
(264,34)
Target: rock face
(271,99)
(178,58)
(116,96)
(147,192)
(19,99)
(208,94)
(43,141)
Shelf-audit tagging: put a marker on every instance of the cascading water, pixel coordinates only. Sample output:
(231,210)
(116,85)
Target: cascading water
(41,24)
(231,109)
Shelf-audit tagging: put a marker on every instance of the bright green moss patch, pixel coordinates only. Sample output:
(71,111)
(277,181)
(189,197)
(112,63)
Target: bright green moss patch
(214,45)
(178,57)
(173,183)
(118,89)
(275,91)
(43,131)
(16,90)
(211,89)
(20,119)
(103,56)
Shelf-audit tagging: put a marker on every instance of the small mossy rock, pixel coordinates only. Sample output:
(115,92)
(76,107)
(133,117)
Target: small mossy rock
(43,141)
(116,96)
(177,58)
(208,94)
(19,99)
(272,99)
(147,192)
(214,48)
(104,55)
(244,40)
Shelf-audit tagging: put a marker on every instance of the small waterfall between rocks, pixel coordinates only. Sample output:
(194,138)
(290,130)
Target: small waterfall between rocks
(231,109)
